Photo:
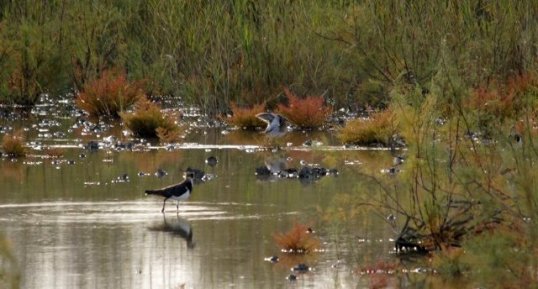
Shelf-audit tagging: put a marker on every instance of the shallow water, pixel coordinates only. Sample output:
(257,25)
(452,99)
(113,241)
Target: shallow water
(79,222)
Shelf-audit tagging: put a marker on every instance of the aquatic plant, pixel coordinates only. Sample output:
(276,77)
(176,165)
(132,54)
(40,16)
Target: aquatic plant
(245,117)
(109,94)
(13,145)
(298,240)
(147,121)
(378,128)
(308,112)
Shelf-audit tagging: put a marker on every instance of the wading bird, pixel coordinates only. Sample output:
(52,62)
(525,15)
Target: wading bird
(178,192)
(276,124)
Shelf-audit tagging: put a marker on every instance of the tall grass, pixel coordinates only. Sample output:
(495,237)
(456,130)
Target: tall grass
(244,51)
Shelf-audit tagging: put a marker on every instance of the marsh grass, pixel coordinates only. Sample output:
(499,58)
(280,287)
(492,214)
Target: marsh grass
(245,117)
(309,112)
(13,145)
(297,240)
(109,94)
(147,121)
(379,128)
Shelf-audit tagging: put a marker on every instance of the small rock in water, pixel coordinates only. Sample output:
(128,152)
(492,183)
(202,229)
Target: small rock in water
(272,259)
(211,161)
(291,277)
(160,173)
(301,267)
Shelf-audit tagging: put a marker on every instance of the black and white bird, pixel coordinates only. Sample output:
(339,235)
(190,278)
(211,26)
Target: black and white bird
(178,192)
(276,124)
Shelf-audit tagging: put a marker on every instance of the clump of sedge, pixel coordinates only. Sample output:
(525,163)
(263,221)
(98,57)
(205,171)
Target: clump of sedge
(147,121)
(378,129)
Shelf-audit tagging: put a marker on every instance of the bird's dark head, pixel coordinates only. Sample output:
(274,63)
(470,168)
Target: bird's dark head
(189,175)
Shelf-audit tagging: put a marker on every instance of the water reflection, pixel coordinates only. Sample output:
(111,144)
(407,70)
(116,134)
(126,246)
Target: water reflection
(71,226)
(177,226)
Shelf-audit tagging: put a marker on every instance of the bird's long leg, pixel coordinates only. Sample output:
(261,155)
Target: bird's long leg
(177,206)
(164,203)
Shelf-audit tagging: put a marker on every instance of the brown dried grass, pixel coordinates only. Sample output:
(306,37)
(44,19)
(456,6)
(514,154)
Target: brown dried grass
(308,112)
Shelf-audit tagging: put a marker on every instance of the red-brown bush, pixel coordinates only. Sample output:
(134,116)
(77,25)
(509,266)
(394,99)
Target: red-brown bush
(308,112)
(110,94)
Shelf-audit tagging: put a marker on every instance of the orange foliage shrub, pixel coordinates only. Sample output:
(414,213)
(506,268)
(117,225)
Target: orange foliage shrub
(506,99)
(245,117)
(13,145)
(147,121)
(310,112)
(297,240)
(109,94)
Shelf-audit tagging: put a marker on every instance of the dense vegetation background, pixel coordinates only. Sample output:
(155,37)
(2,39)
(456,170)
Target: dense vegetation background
(215,52)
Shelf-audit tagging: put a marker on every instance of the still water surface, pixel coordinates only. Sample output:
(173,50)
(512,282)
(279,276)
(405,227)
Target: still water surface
(81,224)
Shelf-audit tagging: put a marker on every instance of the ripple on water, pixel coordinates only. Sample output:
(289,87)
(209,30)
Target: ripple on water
(115,212)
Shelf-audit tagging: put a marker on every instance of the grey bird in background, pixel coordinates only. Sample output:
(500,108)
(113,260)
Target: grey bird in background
(276,124)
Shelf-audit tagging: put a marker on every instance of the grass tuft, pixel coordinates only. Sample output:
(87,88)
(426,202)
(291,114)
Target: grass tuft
(13,145)
(308,112)
(245,117)
(297,240)
(378,129)
(147,121)
(110,94)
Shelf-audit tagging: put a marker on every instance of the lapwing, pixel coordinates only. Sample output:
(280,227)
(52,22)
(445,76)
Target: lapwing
(178,192)
(276,124)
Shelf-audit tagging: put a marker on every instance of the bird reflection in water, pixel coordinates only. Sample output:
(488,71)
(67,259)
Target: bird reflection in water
(176,226)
